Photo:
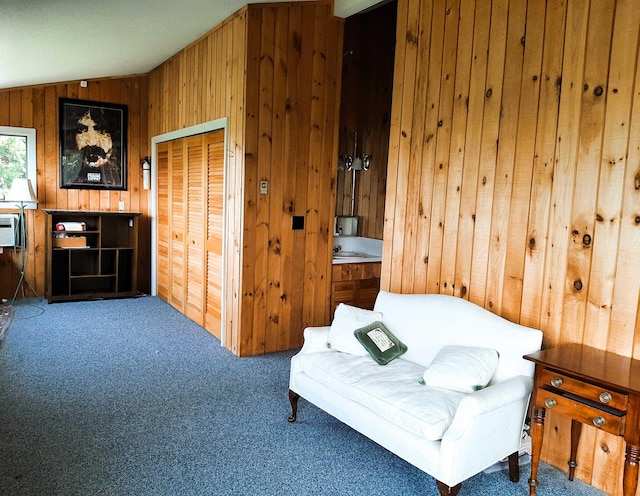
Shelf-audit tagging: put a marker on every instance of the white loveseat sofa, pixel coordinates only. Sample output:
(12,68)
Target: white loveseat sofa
(449,434)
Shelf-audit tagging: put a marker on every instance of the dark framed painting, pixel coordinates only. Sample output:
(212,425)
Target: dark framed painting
(93,145)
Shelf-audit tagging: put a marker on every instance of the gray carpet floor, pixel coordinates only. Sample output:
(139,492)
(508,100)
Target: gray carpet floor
(128,397)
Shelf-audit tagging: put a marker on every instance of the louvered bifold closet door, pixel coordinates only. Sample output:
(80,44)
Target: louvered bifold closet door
(177,262)
(196,181)
(190,178)
(163,212)
(215,229)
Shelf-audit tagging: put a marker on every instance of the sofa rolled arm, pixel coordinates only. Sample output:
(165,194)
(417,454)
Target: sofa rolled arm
(492,418)
(491,399)
(315,339)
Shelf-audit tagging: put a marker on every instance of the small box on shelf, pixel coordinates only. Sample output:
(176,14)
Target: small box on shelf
(70,242)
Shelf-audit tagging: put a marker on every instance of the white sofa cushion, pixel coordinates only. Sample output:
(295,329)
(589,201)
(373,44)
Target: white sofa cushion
(346,320)
(393,391)
(462,368)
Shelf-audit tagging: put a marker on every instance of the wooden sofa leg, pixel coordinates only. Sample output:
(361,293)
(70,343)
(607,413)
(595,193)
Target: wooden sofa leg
(446,490)
(293,399)
(514,467)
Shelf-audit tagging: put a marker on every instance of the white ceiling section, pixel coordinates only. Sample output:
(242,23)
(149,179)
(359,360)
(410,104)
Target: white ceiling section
(48,41)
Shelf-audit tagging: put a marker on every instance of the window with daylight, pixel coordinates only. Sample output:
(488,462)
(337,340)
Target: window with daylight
(17,159)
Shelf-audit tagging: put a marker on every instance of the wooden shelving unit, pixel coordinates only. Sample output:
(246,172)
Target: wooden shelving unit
(105,267)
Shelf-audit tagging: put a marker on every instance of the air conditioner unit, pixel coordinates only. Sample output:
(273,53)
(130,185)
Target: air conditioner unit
(8,229)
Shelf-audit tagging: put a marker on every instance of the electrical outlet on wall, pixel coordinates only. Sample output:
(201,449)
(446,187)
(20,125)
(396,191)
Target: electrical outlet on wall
(121,206)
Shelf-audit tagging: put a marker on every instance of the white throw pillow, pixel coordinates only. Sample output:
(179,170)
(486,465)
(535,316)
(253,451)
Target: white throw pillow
(462,368)
(345,321)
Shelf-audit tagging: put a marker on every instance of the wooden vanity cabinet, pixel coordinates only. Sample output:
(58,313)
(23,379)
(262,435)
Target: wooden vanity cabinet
(355,284)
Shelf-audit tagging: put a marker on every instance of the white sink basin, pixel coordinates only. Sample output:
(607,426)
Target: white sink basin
(356,250)
(350,254)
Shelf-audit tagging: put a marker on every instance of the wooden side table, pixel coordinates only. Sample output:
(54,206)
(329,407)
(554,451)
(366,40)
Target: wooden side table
(589,386)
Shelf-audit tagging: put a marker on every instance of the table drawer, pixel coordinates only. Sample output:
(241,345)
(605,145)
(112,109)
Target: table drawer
(592,392)
(573,408)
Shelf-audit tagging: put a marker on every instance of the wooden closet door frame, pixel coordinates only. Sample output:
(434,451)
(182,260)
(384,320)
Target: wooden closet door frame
(203,128)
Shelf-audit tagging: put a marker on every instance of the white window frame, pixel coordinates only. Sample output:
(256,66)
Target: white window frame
(30,135)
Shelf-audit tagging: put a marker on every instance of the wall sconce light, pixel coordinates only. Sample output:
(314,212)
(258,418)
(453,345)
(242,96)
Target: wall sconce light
(344,162)
(352,164)
(355,162)
(146,172)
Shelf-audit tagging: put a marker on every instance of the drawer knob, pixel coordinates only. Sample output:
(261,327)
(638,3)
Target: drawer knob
(599,421)
(550,403)
(605,397)
(556,382)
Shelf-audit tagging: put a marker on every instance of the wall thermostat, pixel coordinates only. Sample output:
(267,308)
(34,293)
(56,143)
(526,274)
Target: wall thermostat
(264,187)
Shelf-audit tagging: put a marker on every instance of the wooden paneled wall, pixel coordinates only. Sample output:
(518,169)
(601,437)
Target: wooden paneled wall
(365,107)
(293,84)
(513,174)
(37,107)
(202,83)
(273,70)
